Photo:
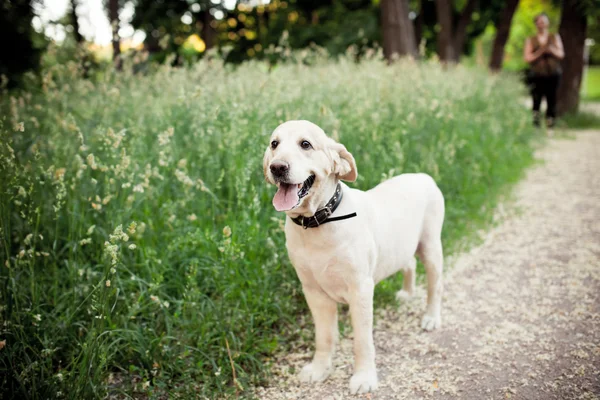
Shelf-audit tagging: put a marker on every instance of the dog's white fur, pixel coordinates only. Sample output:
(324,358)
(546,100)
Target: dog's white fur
(342,261)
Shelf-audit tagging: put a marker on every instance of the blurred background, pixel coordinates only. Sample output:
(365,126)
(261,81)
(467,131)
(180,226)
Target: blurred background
(180,32)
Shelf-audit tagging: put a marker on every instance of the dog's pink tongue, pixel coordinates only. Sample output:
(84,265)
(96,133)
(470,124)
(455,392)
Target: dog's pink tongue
(286,197)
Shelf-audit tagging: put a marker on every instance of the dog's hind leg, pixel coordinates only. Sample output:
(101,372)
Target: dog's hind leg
(431,254)
(408,281)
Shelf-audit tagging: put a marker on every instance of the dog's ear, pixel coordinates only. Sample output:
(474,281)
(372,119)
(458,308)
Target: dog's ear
(344,165)
(266,161)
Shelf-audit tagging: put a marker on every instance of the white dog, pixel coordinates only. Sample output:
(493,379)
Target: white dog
(343,241)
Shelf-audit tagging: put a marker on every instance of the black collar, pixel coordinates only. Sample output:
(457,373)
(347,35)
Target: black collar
(322,216)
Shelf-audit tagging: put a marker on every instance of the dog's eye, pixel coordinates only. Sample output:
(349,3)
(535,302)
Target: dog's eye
(274,144)
(305,145)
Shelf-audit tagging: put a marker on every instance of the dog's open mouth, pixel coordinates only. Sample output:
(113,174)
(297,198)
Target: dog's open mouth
(289,195)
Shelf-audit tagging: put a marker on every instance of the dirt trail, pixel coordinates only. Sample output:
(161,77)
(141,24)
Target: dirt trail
(521,316)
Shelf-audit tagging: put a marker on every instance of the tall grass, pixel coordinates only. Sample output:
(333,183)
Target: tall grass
(141,255)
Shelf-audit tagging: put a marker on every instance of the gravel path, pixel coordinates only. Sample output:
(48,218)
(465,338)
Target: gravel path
(521,316)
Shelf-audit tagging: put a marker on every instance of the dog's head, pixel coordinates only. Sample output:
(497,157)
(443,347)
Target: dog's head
(301,160)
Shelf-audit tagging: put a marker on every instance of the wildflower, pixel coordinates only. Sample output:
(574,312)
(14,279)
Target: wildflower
(182,163)
(59,376)
(222,249)
(85,241)
(132,246)
(22,191)
(91,229)
(81,271)
(183,178)
(111,250)
(171,218)
(166,304)
(107,199)
(113,270)
(91,160)
(132,228)
(22,254)
(20,127)
(59,173)
(227,231)
(155,299)
(138,188)
(97,207)
(165,137)
(108,283)
(37,317)
(192,217)
(118,234)
(27,240)
(45,253)
(126,185)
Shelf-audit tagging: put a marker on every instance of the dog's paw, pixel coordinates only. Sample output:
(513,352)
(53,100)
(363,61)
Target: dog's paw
(403,295)
(314,373)
(431,322)
(363,382)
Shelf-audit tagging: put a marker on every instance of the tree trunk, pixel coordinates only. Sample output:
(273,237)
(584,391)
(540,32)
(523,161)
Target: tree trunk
(419,25)
(75,22)
(113,17)
(443,9)
(502,32)
(460,32)
(208,32)
(398,31)
(573,29)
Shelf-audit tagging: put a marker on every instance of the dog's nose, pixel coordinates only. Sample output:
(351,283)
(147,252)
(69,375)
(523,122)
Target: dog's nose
(279,168)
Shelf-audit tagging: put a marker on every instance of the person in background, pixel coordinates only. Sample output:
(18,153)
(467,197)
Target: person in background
(544,52)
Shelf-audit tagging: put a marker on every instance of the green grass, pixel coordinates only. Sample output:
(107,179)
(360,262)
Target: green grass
(591,90)
(93,304)
(581,120)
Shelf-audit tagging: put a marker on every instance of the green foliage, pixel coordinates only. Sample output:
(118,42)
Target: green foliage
(591,83)
(138,240)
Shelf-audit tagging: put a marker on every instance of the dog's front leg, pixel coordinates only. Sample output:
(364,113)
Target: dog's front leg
(324,311)
(361,310)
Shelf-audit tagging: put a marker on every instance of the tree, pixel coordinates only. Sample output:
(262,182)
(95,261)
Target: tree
(452,36)
(397,29)
(113,18)
(75,22)
(502,32)
(573,29)
(17,32)
(444,38)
